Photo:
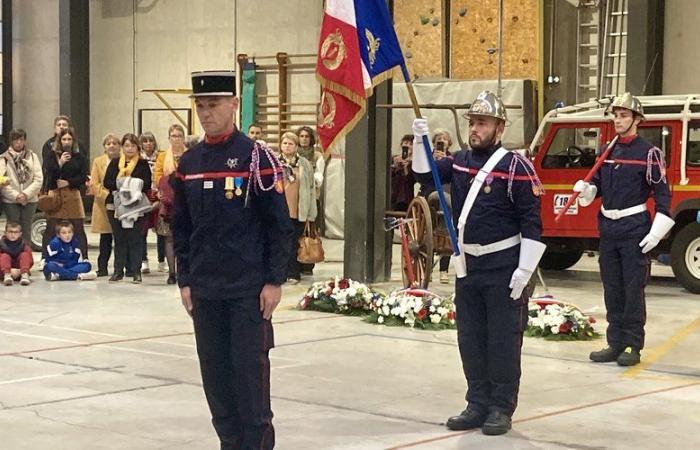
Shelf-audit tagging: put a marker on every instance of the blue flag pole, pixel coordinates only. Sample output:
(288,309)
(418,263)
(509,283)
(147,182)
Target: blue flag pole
(431,160)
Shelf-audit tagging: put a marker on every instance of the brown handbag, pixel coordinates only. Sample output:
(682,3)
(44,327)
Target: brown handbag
(310,246)
(50,201)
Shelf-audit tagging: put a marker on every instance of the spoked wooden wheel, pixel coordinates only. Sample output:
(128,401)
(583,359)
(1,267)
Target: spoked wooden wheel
(419,256)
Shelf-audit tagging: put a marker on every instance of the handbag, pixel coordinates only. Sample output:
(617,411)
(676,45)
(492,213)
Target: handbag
(310,249)
(50,201)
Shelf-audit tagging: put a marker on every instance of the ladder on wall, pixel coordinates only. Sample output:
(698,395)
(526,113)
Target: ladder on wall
(614,61)
(587,45)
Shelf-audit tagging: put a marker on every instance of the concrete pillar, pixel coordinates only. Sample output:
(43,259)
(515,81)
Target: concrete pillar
(645,39)
(367,255)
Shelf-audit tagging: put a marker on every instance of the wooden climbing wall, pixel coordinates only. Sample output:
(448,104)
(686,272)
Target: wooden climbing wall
(473,31)
(419,28)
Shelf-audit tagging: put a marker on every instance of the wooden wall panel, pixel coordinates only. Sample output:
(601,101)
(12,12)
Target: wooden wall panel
(474,30)
(419,27)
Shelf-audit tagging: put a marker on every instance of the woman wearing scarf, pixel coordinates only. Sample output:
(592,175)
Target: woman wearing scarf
(166,165)
(300,193)
(24,175)
(66,171)
(150,152)
(100,221)
(128,241)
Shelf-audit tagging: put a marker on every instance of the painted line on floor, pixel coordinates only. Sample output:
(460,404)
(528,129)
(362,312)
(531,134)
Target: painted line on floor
(57,327)
(40,377)
(313,341)
(546,415)
(656,353)
(87,344)
(82,397)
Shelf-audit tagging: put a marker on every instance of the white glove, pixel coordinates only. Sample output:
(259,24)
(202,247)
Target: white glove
(518,282)
(659,228)
(531,252)
(420,163)
(460,265)
(587,192)
(420,129)
(318,178)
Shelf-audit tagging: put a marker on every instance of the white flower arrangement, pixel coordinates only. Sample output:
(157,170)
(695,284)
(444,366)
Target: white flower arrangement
(560,321)
(340,295)
(413,308)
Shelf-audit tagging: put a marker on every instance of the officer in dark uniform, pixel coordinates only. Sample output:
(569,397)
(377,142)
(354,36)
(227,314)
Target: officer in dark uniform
(231,231)
(500,235)
(633,171)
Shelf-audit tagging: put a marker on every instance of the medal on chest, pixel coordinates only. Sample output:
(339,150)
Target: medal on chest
(238,182)
(228,187)
(487,188)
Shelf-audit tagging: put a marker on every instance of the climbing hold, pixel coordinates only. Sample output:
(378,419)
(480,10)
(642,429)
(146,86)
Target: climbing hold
(424,20)
(436,21)
(462,12)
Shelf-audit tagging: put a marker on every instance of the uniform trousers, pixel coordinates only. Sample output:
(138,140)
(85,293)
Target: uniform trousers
(233,343)
(490,328)
(624,270)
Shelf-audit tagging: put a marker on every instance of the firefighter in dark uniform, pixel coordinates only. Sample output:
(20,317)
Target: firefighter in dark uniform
(633,172)
(500,243)
(231,232)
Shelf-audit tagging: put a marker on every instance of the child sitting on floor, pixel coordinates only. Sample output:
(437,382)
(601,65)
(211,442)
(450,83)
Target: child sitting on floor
(15,256)
(65,261)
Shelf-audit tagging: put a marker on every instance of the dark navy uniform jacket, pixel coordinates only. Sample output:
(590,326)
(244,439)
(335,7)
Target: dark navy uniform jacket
(225,249)
(511,205)
(632,172)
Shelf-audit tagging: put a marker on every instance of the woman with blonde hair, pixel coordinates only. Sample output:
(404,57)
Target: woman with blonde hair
(300,193)
(100,221)
(166,165)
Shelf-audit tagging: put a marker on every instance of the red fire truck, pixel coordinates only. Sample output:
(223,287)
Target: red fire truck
(564,150)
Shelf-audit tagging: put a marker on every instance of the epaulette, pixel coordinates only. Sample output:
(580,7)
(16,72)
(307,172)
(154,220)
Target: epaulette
(526,165)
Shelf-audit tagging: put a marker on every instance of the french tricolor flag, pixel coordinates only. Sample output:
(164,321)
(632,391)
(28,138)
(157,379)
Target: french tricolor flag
(358,49)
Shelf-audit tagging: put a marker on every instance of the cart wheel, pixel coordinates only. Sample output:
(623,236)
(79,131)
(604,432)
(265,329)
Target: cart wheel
(420,244)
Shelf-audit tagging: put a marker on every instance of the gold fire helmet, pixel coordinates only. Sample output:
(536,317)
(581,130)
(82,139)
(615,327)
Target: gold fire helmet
(487,104)
(627,101)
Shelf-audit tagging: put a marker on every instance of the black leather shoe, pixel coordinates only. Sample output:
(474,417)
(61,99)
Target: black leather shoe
(629,357)
(496,423)
(172,279)
(608,354)
(102,273)
(137,279)
(116,277)
(466,420)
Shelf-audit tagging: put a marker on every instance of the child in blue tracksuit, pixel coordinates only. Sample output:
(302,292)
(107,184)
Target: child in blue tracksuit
(64,260)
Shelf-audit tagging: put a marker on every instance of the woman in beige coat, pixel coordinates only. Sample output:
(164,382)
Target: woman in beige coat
(22,168)
(100,221)
(300,193)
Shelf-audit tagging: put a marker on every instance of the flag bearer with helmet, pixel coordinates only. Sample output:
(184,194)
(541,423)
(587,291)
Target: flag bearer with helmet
(633,171)
(496,207)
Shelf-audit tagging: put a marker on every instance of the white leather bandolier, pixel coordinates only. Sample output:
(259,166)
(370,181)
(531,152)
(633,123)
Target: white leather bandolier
(617,214)
(460,262)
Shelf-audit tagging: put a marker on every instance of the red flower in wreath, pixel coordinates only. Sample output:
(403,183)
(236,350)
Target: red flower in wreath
(565,327)
(421,314)
(343,284)
(451,315)
(591,319)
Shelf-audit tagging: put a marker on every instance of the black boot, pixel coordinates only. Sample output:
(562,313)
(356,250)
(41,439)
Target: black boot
(629,357)
(608,354)
(116,276)
(496,423)
(466,420)
(137,278)
(172,279)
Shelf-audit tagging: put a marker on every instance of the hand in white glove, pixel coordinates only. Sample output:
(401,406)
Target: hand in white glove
(659,228)
(420,163)
(420,128)
(587,192)
(518,282)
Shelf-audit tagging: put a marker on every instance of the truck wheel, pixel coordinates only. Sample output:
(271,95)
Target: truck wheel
(685,257)
(36,235)
(560,259)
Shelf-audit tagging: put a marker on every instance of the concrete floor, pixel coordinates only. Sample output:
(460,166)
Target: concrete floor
(98,366)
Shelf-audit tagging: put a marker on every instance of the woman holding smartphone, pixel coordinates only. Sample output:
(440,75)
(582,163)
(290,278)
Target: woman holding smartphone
(66,171)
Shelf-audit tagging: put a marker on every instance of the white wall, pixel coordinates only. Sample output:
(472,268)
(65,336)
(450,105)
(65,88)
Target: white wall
(35,68)
(681,50)
(165,40)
